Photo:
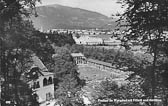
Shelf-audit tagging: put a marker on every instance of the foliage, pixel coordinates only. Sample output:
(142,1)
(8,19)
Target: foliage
(146,21)
(14,65)
(12,8)
(119,58)
(164,65)
(14,32)
(111,90)
(145,15)
(22,36)
(14,56)
(66,76)
(140,64)
(19,40)
(60,39)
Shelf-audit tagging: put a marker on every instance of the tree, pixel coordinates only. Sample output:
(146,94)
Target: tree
(77,48)
(13,33)
(42,47)
(109,90)
(164,65)
(67,79)
(146,20)
(14,65)
(61,39)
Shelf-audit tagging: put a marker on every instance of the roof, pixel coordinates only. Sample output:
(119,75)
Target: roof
(100,62)
(77,55)
(37,62)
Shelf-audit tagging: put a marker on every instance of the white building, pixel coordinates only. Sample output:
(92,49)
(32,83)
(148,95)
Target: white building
(87,40)
(79,58)
(43,85)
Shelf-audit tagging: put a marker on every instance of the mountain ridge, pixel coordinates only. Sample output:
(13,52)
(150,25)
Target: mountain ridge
(55,5)
(58,16)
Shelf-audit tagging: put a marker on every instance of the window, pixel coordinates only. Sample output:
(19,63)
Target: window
(44,82)
(50,80)
(37,85)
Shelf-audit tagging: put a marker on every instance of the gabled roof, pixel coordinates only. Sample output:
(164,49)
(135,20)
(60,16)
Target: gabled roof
(37,62)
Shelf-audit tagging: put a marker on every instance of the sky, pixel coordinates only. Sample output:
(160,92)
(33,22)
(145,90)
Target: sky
(106,7)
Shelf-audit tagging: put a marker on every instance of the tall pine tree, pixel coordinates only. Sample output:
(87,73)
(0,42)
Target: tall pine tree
(14,31)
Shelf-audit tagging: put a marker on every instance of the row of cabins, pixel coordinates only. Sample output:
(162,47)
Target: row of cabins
(80,59)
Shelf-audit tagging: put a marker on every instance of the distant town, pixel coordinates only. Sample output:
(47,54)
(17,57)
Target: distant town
(101,37)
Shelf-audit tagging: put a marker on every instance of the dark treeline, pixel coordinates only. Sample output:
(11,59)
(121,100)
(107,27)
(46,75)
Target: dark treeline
(42,44)
(60,39)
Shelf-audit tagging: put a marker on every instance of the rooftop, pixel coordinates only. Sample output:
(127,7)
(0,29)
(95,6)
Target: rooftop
(77,55)
(37,62)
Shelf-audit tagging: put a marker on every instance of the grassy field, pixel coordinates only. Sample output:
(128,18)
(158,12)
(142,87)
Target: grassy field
(93,74)
(90,73)
(93,77)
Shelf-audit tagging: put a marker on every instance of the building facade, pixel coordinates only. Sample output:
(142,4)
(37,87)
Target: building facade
(43,84)
(88,40)
(79,58)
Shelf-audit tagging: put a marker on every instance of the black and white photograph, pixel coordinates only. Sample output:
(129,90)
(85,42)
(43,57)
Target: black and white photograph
(83,52)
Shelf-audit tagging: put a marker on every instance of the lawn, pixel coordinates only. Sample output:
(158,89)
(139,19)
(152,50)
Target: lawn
(90,73)
(93,77)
